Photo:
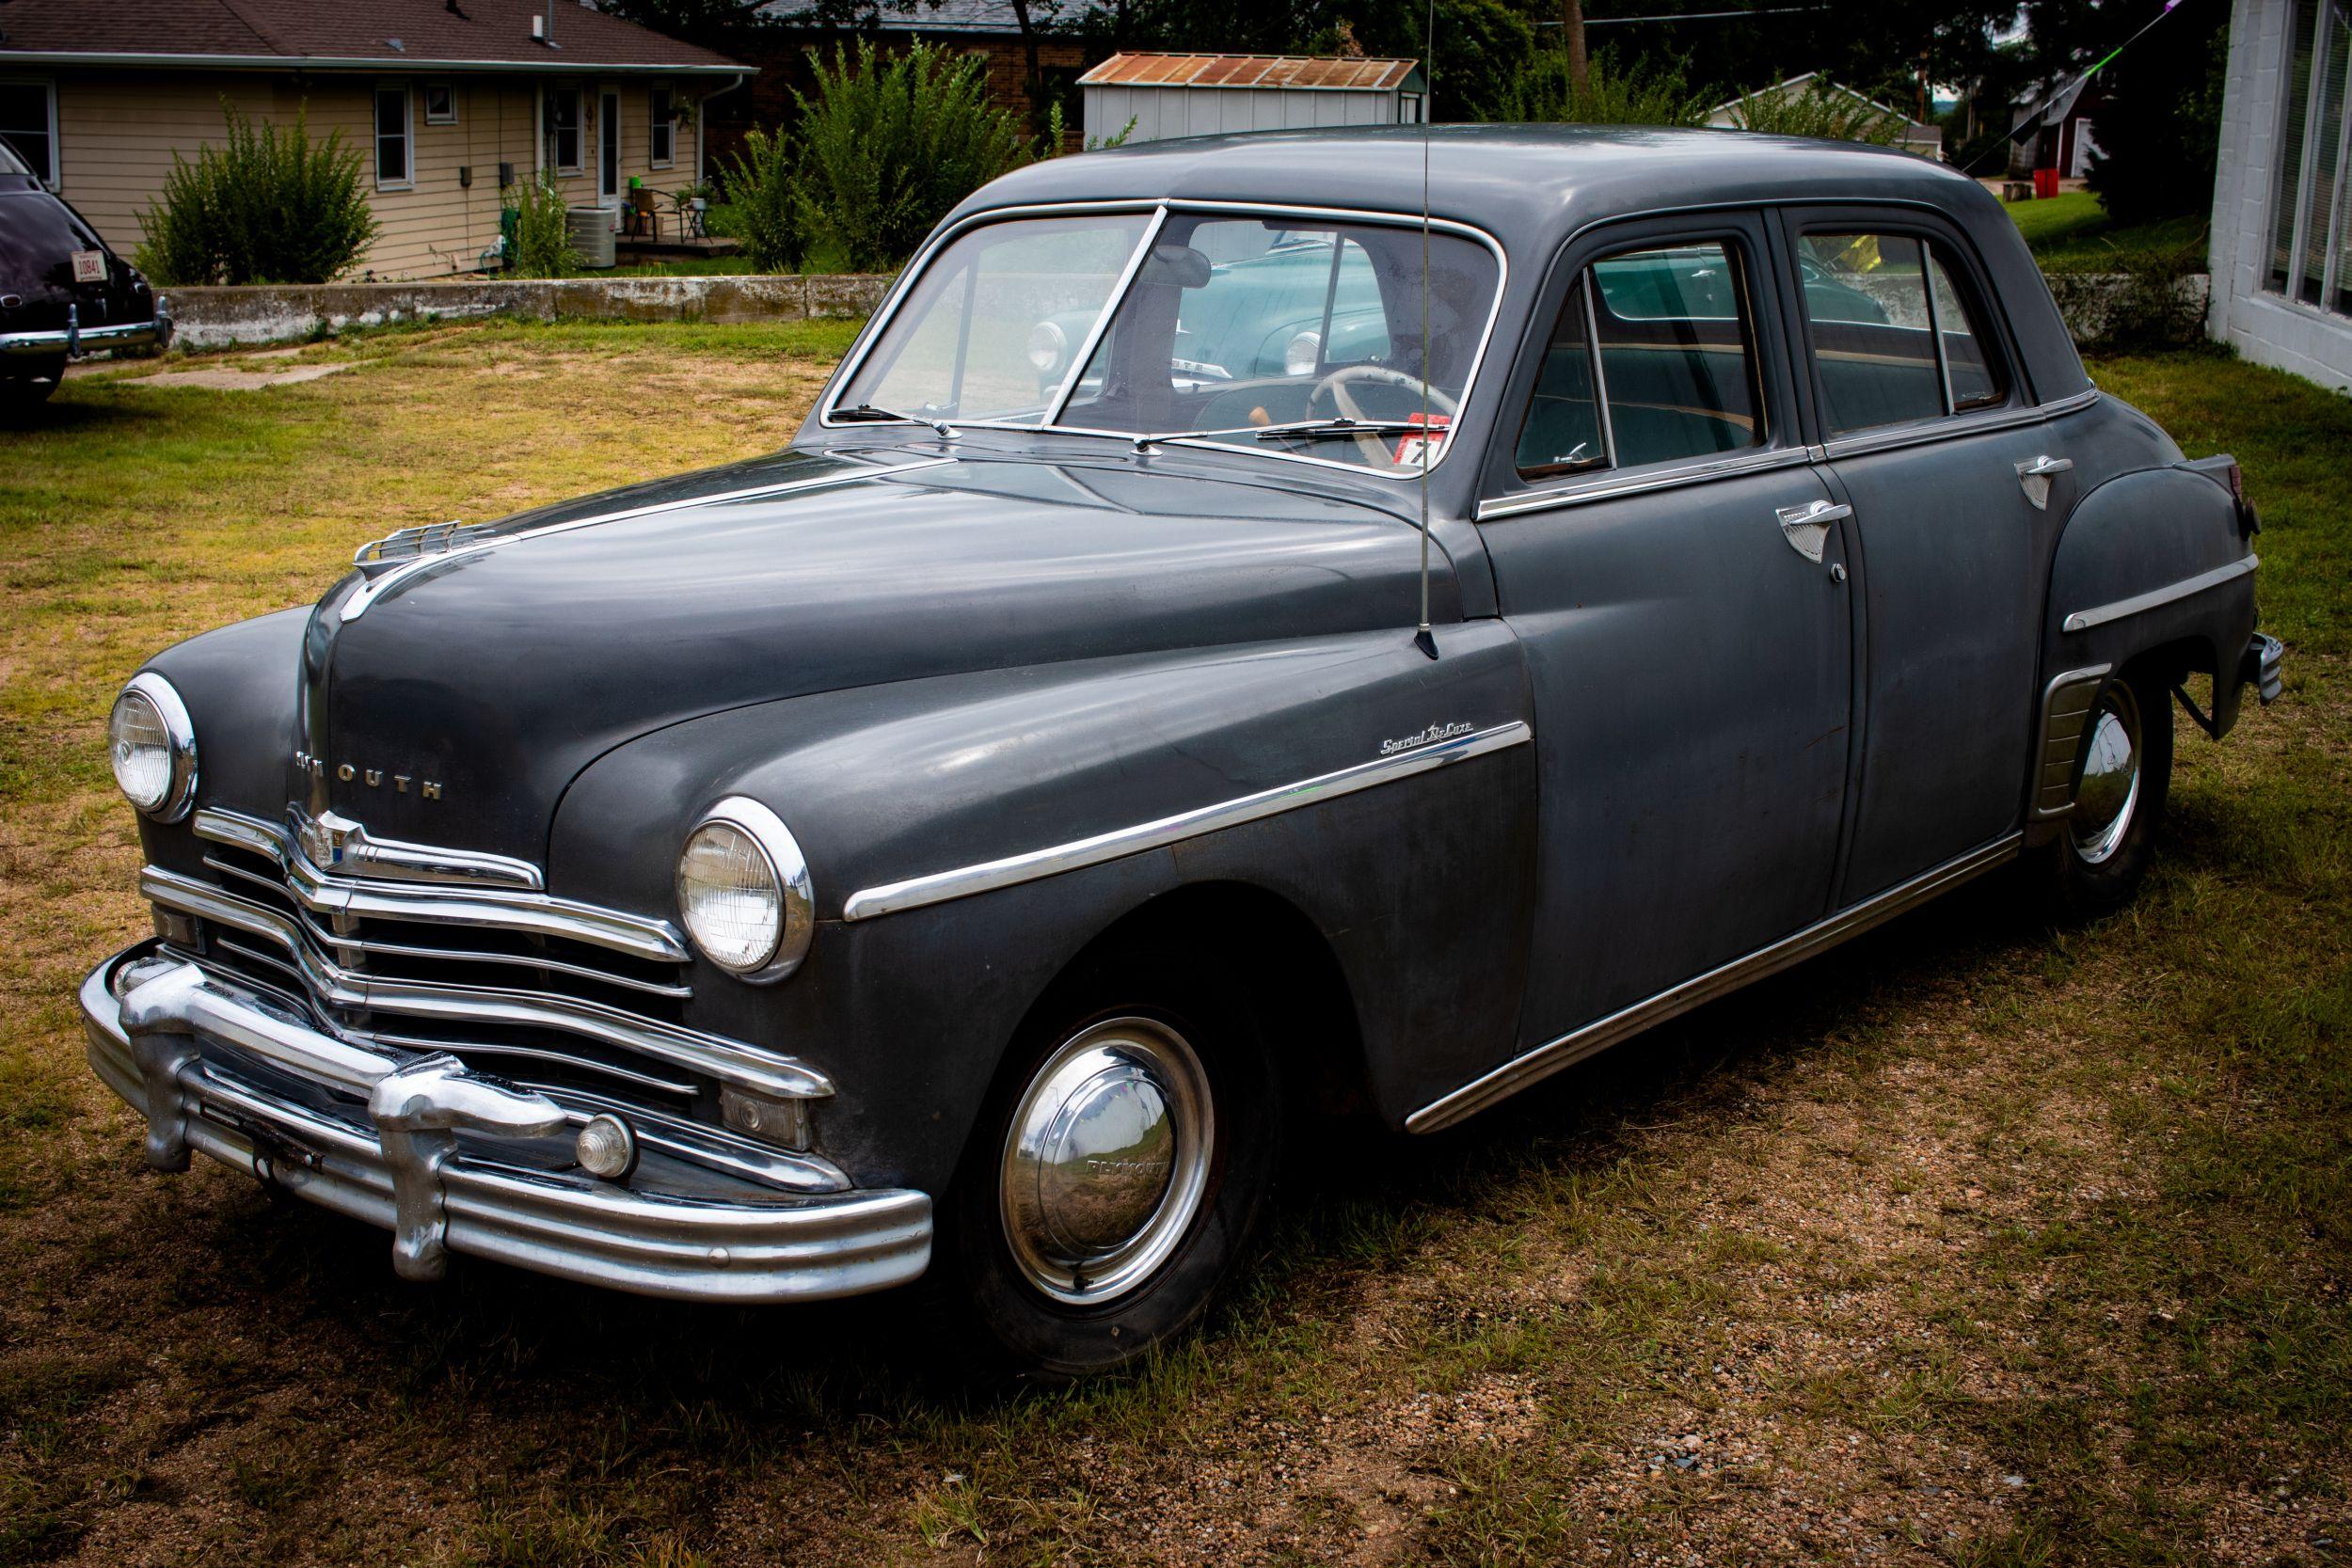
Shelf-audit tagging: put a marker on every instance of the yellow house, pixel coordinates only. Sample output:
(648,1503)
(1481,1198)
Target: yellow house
(448,103)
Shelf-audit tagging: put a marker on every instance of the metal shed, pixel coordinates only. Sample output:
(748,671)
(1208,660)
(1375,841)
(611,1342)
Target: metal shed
(1199,95)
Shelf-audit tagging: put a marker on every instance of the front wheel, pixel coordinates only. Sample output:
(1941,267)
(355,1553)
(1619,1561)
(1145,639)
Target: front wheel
(2124,774)
(1118,1172)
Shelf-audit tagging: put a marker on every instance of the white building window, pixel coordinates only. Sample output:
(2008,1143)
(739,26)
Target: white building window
(2310,230)
(440,104)
(395,158)
(563,124)
(28,122)
(661,123)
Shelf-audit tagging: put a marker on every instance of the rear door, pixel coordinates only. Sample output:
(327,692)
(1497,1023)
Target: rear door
(1673,566)
(1929,435)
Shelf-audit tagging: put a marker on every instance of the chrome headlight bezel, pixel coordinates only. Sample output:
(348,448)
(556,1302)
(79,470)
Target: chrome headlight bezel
(796,898)
(158,696)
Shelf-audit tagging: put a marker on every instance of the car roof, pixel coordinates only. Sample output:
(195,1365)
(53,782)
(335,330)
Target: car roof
(1532,187)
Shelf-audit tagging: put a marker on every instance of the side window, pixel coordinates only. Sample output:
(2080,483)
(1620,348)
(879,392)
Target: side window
(1652,360)
(1894,337)
(1977,381)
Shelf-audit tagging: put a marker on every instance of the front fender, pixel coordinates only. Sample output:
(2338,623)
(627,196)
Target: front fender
(1419,886)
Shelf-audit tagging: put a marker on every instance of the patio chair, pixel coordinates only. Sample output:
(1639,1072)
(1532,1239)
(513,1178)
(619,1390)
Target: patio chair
(645,215)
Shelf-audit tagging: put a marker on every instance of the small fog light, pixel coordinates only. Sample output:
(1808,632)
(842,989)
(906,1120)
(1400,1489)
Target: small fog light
(607,1148)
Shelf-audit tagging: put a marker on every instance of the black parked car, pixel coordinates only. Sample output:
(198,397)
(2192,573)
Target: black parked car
(961,841)
(62,292)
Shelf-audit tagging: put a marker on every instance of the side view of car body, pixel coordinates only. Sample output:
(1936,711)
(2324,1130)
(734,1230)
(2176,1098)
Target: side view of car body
(62,291)
(960,844)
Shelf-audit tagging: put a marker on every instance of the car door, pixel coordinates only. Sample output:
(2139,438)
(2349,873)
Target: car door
(1674,568)
(1957,495)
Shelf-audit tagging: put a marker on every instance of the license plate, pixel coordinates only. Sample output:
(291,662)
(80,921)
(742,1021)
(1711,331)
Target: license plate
(89,266)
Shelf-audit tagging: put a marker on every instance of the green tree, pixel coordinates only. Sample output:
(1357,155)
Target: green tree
(2160,132)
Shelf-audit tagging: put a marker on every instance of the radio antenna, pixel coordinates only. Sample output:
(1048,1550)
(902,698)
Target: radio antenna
(1425,639)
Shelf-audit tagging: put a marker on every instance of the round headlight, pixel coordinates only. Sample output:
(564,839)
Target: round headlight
(1047,345)
(1302,354)
(743,892)
(152,745)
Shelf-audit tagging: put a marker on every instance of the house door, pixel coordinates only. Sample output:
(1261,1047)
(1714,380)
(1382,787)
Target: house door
(608,150)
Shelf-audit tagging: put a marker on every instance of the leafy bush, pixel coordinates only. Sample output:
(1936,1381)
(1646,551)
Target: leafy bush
(268,206)
(758,209)
(1820,110)
(884,149)
(2133,301)
(1642,93)
(542,240)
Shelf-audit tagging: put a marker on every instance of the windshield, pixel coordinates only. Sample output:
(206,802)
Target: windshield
(1283,335)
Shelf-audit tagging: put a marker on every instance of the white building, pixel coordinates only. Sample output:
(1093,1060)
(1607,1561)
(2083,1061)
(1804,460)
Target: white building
(1925,139)
(1200,95)
(2282,252)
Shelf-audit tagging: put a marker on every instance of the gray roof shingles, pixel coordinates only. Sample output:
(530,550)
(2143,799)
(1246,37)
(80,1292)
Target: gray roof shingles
(428,31)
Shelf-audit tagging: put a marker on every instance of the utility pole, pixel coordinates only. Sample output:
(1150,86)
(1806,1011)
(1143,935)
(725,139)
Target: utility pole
(1572,25)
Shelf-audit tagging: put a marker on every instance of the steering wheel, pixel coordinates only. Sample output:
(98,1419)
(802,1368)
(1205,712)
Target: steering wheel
(1336,382)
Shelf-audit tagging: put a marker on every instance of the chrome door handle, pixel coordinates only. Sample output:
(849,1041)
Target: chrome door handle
(1807,526)
(2036,475)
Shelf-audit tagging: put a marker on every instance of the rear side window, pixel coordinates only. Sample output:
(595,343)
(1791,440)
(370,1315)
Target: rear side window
(1896,339)
(1652,360)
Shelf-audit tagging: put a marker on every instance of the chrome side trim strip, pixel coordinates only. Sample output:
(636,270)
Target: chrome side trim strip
(1534,1066)
(500,908)
(2066,703)
(1605,486)
(330,984)
(941,886)
(378,586)
(2083,620)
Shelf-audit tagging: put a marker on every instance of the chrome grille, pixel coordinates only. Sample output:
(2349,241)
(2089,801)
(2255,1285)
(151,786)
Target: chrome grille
(518,982)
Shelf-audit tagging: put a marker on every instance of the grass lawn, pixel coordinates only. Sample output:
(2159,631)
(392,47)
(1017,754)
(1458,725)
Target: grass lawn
(683,266)
(1975,1242)
(2072,233)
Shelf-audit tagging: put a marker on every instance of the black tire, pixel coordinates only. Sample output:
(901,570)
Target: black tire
(27,385)
(2095,863)
(988,1296)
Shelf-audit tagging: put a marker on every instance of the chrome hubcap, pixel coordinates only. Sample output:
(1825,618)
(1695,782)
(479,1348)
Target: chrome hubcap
(1107,1161)
(2109,789)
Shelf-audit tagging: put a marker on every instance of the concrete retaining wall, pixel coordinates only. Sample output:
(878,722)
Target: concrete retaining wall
(224,318)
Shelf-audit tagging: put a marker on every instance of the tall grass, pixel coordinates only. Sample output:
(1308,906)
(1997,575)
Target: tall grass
(542,240)
(268,205)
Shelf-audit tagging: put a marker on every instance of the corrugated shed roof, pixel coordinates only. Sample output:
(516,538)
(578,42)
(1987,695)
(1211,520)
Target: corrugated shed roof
(427,32)
(1283,72)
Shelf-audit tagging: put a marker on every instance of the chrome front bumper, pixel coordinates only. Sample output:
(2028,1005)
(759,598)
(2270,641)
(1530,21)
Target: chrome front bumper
(75,340)
(215,1066)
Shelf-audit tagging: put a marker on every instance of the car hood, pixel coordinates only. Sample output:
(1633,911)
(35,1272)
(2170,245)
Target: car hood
(493,664)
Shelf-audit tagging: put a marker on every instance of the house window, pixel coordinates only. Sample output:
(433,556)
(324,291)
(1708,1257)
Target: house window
(394,169)
(28,122)
(440,104)
(563,124)
(662,122)
(2311,232)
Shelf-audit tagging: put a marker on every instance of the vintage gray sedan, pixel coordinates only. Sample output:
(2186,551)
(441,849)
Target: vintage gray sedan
(962,842)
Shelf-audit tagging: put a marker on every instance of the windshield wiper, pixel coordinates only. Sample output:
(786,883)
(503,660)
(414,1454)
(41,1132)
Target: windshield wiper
(867,413)
(1304,430)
